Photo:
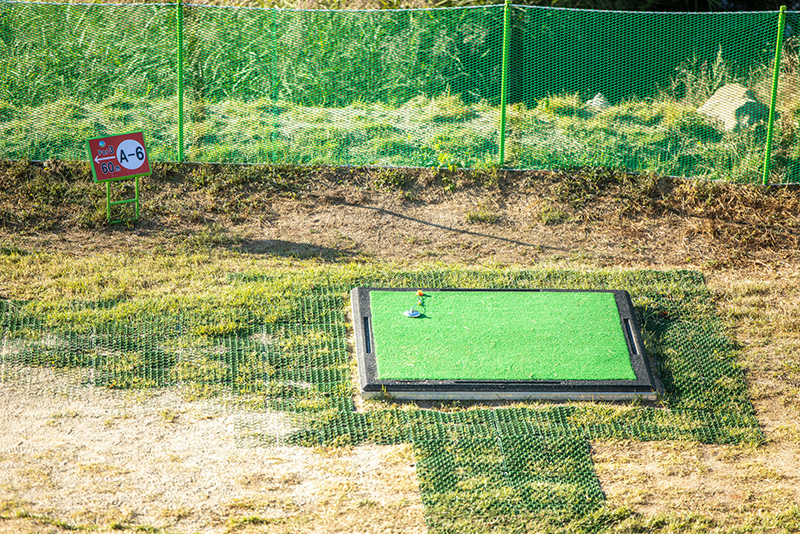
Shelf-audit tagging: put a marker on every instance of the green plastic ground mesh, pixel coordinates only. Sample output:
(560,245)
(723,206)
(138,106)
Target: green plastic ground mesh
(404,87)
(276,345)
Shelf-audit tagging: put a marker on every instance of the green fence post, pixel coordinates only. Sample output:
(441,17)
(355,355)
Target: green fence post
(504,83)
(774,99)
(274,156)
(179,14)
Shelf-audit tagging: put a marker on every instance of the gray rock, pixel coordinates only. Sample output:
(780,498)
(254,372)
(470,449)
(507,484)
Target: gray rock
(735,106)
(598,103)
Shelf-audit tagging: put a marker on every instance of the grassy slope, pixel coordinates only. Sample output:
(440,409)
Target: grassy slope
(667,138)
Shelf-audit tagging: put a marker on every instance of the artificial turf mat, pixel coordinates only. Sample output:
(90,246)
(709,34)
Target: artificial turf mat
(499,335)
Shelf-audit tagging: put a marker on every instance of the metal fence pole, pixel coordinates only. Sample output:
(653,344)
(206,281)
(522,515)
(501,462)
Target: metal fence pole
(179,13)
(774,99)
(274,156)
(504,83)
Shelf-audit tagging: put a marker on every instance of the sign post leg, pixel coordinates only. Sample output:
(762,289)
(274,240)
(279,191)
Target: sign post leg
(108,201)
(134,201)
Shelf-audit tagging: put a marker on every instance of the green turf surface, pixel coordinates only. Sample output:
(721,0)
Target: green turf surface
(505,335)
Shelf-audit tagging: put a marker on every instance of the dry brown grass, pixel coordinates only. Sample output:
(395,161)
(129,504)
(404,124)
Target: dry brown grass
(763,309)
(732,485)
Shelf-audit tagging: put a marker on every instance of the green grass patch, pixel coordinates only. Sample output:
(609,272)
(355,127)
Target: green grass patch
(665,138)
(482,215)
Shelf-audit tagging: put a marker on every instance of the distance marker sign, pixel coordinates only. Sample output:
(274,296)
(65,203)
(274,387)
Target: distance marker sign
(118,156)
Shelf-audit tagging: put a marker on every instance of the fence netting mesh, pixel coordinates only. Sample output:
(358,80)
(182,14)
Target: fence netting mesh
(403,87)
(274,348)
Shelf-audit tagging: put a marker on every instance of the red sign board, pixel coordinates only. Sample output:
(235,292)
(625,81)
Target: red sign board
(118,156)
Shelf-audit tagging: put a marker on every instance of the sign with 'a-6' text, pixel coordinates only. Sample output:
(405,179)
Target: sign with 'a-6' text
(118,156)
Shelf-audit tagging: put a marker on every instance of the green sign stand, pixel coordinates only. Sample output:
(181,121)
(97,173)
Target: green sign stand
(134,200)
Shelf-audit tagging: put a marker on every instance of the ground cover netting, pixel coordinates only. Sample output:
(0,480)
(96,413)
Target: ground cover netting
(399,87)
(276,345)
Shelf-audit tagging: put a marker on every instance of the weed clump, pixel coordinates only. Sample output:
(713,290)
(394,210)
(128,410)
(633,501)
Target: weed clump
(483,215)
(392,179)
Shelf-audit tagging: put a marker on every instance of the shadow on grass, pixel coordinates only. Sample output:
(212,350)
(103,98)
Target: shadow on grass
(291,249)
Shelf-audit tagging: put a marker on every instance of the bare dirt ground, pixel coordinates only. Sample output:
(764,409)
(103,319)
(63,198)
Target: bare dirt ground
(107,460)
(527,218)
(112,460)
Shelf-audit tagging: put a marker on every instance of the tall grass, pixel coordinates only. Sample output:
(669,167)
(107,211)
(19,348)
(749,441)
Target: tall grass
(85,52)
(91,52)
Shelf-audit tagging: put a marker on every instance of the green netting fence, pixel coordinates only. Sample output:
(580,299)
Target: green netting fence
(405,87)
(276,346)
